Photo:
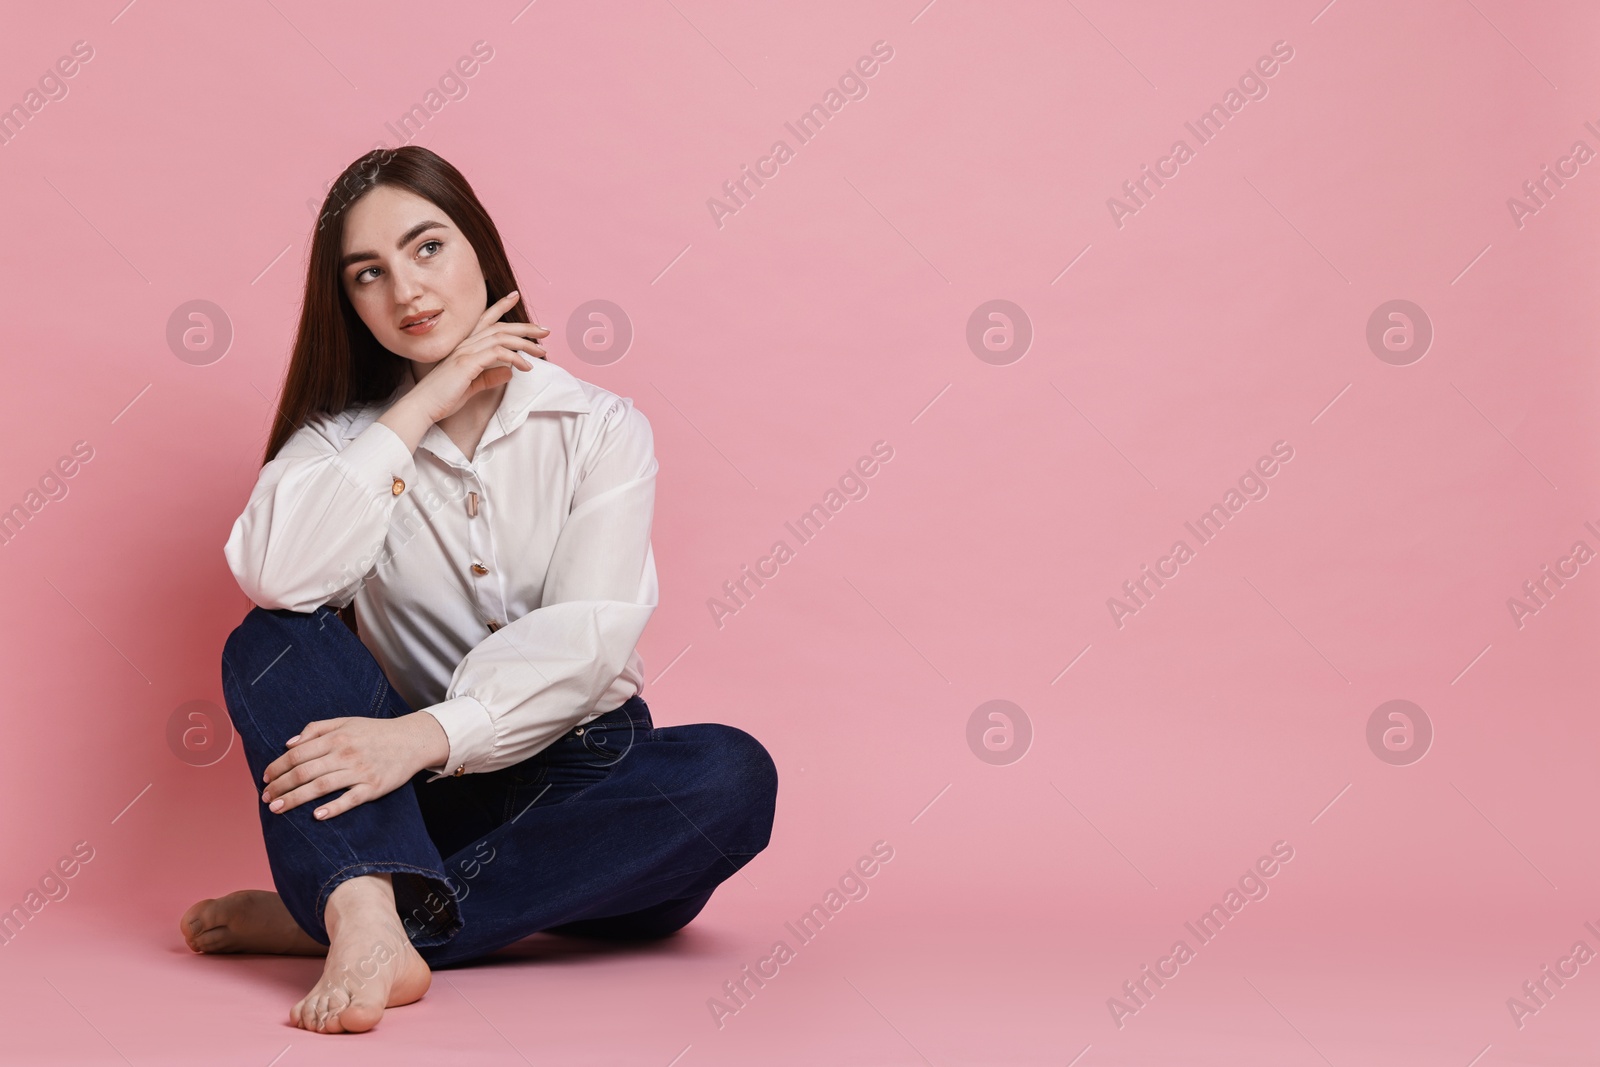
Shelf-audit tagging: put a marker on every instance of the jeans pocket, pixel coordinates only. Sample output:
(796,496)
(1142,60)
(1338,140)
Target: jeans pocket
(608,743)
(528,785)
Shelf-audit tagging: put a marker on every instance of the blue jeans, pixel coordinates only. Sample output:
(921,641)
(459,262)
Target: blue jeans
(618,830)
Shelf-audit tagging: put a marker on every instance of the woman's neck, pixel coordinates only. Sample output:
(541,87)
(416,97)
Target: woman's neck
(464,427)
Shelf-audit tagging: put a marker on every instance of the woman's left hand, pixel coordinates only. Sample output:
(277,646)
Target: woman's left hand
(365,757)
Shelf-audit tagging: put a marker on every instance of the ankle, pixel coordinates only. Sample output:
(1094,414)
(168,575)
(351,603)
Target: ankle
(359,895)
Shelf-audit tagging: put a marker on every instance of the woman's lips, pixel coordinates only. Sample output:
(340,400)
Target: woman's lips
(423,326)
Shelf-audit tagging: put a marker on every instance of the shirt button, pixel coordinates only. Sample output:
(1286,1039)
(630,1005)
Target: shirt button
(495,624)
(398,487)
(478,568)
(459,771)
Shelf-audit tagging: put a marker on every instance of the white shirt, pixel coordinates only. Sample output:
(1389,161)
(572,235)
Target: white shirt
(503,595)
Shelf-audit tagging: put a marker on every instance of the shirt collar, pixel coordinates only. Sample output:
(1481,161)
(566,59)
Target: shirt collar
(547,387)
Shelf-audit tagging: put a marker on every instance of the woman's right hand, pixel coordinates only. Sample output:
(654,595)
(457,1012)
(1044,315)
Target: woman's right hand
(479,362)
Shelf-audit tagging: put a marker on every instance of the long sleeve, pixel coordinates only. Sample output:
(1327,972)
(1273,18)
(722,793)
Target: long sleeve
(535,678)
(318,517)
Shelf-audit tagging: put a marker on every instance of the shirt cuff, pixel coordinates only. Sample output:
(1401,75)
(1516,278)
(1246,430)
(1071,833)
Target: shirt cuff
(380,459)
(467,724)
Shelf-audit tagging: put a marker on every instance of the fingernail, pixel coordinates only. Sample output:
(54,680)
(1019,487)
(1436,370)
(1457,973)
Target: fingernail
(322,813)
(264,796)
(292,740)
(276,805)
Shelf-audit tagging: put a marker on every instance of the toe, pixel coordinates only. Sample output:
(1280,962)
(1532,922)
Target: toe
(194,919)
(215,939)
(361,1013)
(333,1022)
(312,1010)
(329,1007)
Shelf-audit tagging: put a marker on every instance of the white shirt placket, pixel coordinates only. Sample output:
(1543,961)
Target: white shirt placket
(487,581)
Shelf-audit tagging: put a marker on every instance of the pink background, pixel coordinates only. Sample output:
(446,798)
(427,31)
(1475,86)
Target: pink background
(830,313)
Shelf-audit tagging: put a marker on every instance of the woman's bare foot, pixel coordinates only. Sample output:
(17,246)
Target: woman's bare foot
(250,920)
(371,964)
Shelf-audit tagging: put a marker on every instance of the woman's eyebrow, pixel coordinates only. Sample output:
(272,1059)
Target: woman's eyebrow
(405,239)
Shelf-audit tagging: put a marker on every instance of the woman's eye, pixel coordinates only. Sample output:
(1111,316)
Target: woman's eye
(361,276)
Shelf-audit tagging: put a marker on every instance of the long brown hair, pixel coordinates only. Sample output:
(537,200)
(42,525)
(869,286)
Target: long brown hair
(336,362)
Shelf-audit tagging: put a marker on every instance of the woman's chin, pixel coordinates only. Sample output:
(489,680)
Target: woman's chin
(429,349)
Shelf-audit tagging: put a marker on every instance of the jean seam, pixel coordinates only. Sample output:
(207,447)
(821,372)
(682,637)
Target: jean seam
(380,692)
(232,680)
(230,674)
(404,868)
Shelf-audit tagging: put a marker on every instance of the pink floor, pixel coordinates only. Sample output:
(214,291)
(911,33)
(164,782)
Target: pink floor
(931,966)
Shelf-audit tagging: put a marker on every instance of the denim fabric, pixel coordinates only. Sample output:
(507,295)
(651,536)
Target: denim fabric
(618,829)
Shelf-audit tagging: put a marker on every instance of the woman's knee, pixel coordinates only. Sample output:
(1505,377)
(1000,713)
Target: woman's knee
(747,782)
(270,647)
(257,627)
(264,633)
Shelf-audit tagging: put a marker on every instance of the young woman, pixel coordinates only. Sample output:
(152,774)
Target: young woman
(467,760)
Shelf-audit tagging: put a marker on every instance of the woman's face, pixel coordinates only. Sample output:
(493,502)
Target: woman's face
(403,261)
